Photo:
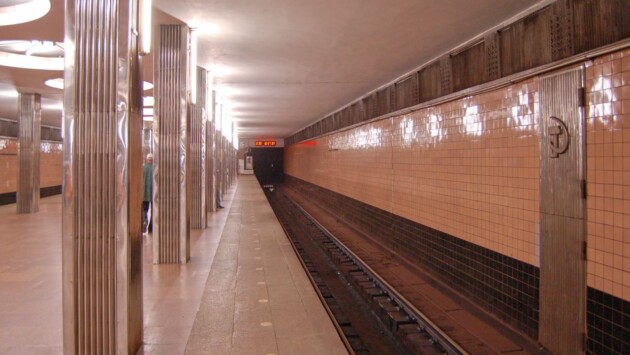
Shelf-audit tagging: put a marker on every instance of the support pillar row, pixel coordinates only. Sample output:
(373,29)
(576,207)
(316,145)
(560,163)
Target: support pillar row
(198,157)
(29,114)
(171,132)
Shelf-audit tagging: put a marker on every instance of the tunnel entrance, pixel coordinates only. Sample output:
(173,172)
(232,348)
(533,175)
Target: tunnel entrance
(268,165)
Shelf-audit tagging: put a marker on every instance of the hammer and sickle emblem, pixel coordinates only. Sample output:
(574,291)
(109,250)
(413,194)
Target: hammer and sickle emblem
(558,144)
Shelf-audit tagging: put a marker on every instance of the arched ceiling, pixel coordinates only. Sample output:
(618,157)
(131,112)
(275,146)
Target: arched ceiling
(283,64)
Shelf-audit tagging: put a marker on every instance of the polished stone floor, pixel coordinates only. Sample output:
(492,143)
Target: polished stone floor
(258,299)
(243,292)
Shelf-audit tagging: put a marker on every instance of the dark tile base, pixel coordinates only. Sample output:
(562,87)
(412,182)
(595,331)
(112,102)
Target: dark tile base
(50,191)
(608,322)
(8,198)
(502,285)
(11,197)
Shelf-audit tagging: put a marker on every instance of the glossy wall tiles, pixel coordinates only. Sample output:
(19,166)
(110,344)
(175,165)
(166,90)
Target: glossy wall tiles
(608,202)
(8,165)
(49,162)
(102,179)
(30,117)
(171,174)
(468,168)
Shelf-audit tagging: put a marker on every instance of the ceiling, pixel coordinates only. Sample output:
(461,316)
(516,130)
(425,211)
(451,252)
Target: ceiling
(284,64)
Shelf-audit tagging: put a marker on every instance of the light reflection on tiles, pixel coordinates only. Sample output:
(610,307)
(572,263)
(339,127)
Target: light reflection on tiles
(608,174)
(469,167)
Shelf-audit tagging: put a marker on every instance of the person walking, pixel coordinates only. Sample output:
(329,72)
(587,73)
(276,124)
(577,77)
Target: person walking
(147,225)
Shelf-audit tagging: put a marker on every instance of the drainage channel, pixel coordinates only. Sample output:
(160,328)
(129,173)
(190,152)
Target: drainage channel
(371,317)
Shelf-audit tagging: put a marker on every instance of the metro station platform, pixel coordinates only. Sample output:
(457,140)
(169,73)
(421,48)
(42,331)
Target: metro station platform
(243,291)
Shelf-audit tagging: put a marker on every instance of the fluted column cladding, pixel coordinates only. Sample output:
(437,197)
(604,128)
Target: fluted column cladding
(198,120)
(219,158)
(171,174)
(29,115)
(211,155)
(102,179)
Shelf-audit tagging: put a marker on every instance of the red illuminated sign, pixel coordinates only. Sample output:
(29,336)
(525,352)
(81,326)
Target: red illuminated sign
(265,143)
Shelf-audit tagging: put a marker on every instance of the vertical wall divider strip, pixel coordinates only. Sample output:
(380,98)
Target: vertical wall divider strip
(102,179)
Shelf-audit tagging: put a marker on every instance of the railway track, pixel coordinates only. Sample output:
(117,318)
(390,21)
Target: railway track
(369,314)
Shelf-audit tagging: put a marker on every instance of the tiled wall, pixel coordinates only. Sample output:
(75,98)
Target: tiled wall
(49,161)
(503,285)
(469,168)
(8,165)
(608,202)
(454,188)
(608,174)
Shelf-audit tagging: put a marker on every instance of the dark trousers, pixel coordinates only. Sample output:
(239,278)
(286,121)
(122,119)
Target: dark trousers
(145,217)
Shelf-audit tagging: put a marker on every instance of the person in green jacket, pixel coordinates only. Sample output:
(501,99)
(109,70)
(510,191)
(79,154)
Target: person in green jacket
(147,194)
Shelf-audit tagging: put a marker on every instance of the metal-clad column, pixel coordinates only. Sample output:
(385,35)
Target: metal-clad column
(198,153)
(102,179)
(562,212)
(30,114)
(219,150)
(171,175)
(210,155)
(224,165)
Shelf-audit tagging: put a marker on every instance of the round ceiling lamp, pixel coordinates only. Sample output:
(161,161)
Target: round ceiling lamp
(22,12)
(56,83)
(38,55)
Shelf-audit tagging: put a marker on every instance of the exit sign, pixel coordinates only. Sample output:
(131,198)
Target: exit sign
(265,143)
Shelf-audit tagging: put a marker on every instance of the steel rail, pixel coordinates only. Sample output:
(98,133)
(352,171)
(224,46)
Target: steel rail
(449,345)
(338,328)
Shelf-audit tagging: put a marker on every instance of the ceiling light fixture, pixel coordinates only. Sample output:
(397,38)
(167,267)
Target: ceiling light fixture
(56,83)
(148,101)
(145,26)
(30,62)
(38,55)
(25,12)
(9,93)
(56,106)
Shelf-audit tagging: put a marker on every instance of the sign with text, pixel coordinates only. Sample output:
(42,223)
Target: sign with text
(265,143)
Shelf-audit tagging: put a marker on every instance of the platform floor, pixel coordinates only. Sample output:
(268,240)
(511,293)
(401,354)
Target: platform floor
(243,291)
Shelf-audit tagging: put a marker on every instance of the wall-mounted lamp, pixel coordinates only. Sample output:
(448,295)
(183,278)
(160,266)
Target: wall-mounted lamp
(145,26)
(193,66)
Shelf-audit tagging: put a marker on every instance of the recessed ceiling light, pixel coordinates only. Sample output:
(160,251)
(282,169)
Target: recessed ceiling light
(56,83)
(25,12)
(148,101)
(39,55)
(57,106)
(9,93)
(219,70)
